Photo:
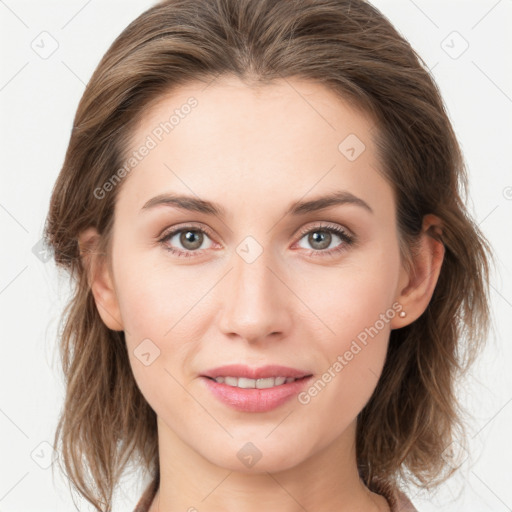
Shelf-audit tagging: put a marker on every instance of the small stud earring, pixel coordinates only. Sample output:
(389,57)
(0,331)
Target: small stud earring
(402,314)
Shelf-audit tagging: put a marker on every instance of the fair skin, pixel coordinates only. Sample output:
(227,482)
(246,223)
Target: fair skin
(255,152)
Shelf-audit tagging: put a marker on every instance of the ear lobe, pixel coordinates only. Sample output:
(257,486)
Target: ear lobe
(416,293)
(100,279)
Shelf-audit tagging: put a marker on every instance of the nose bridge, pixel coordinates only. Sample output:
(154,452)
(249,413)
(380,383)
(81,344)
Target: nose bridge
(253,304)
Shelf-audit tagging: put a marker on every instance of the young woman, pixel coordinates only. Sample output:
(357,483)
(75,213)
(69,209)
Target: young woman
(277,281)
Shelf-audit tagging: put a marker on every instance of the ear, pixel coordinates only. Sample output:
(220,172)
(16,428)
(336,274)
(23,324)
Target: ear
(415,289)
(100,279)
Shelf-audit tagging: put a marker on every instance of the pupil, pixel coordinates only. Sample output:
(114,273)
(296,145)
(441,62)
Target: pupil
(187,239)
(321,237)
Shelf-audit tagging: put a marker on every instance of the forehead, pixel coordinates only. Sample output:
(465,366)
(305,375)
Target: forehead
(292,107)
(226,138)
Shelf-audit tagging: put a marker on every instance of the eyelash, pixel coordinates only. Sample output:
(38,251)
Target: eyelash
(343,235)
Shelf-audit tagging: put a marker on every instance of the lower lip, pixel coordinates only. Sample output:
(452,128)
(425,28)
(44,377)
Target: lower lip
(252,399)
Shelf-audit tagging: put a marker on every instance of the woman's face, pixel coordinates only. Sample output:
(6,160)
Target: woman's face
(265,270)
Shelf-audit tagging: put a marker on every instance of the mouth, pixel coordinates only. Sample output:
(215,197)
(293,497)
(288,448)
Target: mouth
(263,383)
(247,389)
(255,395)
(246,374)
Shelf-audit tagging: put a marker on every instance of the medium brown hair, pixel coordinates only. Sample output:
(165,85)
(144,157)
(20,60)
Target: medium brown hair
(352,49)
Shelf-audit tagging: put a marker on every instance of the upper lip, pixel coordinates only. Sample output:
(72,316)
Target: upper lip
(240,370)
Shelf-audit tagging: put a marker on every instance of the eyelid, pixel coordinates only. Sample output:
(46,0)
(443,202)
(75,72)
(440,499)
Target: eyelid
(168,233)
(346,236)
(304,230)
(327,226)
(183,226)
(348,239)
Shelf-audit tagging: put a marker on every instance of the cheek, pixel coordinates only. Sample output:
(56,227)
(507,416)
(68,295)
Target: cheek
(354,304)
(152,296)
(151,308)
(354,296)
(353,358)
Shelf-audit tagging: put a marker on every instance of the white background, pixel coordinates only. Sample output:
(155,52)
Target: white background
(38,99)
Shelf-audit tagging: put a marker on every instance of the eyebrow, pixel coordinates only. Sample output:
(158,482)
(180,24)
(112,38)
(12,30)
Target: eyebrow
(297,208)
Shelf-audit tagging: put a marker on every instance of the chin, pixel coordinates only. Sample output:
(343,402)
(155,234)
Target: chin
(258,456)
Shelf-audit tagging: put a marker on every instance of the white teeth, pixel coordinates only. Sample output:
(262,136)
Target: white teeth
(231,381)
(245,383)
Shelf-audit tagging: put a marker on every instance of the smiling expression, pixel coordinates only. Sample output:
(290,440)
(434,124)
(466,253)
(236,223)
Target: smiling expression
(258,231)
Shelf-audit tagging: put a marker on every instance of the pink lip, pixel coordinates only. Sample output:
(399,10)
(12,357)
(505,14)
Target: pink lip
(240,370)
(255,400)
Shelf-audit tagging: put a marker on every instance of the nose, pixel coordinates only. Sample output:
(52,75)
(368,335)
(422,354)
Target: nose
(256,302)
